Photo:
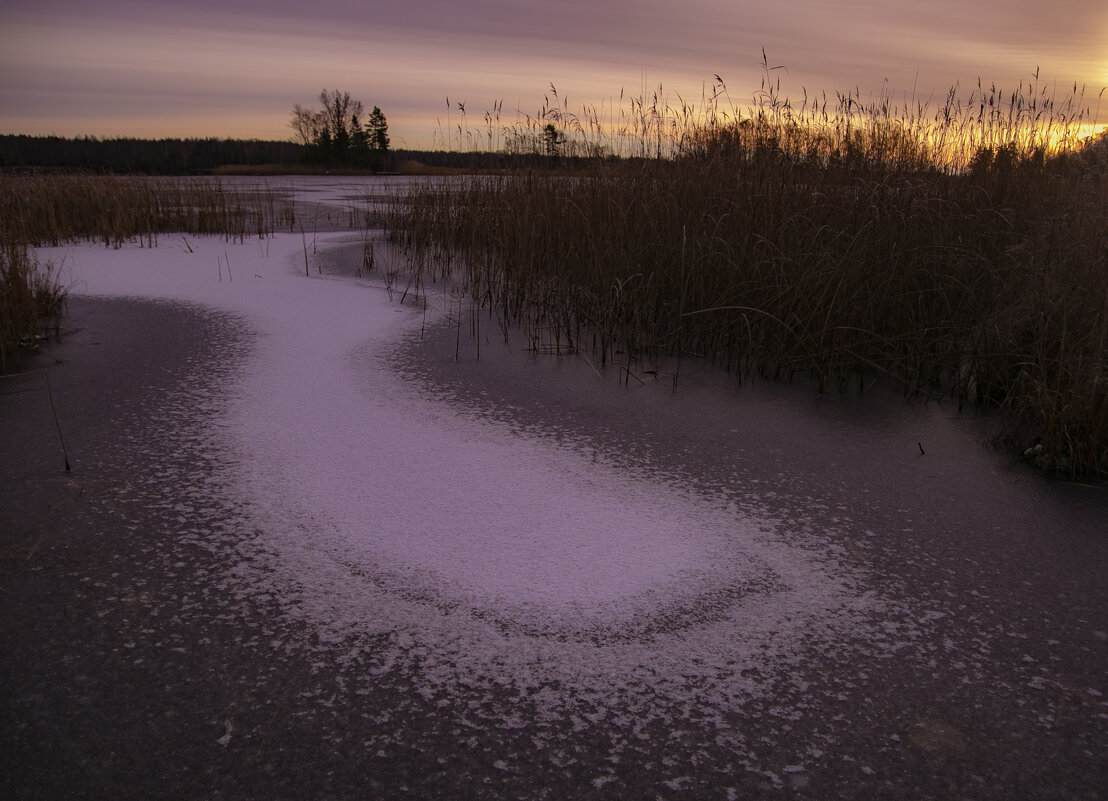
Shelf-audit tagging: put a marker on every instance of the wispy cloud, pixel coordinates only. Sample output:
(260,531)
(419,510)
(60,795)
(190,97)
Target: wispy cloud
(234,67)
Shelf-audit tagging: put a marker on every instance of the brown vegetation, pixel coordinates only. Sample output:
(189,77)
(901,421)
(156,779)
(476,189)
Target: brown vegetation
(52,210)
(961,253)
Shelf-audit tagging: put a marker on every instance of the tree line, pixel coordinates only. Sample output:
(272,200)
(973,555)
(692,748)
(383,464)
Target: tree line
(339,133)
(142,156)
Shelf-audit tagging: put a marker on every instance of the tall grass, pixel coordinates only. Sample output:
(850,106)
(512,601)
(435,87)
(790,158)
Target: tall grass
(31,298)
(52,209)
(957,253)
(660,123)
(46,210)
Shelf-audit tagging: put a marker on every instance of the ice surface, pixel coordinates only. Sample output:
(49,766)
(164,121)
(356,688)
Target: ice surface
(471,556)
(764,587)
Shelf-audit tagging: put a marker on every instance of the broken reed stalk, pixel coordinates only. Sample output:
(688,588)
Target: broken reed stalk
(304,243)
(57,424)
(53,409)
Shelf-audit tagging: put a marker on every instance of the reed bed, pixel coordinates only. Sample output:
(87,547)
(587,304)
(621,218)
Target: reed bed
(50,210)
(958,254)
(53,209)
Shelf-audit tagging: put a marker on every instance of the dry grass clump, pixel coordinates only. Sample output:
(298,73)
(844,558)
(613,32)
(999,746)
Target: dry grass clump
(963,256)
(30,296)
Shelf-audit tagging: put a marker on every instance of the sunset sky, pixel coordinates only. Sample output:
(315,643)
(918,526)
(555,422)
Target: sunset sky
(234,68)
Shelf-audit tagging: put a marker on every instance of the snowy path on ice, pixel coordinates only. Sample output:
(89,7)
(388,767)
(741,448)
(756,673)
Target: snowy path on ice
(327,433)
(486,559)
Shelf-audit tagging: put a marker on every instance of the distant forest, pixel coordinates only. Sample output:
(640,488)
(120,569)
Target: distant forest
(146,156)
(205,156)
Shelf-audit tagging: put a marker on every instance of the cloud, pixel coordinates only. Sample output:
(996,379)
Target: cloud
(227,55)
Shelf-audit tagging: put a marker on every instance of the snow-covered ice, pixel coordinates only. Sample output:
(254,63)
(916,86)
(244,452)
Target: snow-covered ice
(488,567)
(485,559)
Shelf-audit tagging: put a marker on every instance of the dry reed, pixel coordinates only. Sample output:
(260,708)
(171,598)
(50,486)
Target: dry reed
(956,253)
(53,209)
(49,210)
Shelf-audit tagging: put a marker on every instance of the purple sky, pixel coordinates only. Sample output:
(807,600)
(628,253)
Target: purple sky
(235,67)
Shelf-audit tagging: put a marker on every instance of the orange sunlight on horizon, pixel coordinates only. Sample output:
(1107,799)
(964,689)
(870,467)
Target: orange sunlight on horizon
(235,70)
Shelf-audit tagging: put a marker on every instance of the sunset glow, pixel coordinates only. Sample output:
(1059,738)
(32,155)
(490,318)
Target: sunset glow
(234,69)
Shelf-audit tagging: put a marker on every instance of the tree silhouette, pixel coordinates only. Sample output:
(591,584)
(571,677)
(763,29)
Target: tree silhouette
(335,134)
(552,139)
(378,130)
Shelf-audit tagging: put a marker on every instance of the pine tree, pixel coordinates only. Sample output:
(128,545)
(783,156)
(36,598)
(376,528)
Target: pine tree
(378,130)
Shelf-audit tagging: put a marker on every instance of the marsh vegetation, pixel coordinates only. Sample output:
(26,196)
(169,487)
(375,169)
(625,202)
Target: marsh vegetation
(50,210)
(958,252)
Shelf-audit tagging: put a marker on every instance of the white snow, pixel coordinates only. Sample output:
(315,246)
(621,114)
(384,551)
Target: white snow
(490,559)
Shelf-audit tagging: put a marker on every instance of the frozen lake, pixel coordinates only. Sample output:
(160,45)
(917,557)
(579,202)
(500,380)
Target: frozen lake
(579,586)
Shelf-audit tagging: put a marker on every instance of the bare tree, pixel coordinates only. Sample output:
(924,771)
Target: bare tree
(342,119)
(307,125)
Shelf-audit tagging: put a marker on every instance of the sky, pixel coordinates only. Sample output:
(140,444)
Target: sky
(234,68)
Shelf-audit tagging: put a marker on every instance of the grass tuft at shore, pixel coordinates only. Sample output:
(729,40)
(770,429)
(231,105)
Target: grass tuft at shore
(31,300)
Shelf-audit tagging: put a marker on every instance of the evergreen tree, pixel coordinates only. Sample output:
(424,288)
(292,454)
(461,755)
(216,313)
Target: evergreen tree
(552,140)
(359,141)
(378,130)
